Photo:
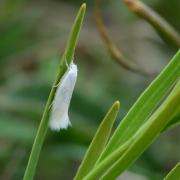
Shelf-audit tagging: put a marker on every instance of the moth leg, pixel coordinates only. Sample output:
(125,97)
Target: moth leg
(50,106)
(67,66)
(55,86)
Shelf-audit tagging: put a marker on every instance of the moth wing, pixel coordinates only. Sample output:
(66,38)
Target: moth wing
(59,116)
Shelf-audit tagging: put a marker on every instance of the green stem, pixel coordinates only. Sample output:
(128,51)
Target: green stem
(42,130)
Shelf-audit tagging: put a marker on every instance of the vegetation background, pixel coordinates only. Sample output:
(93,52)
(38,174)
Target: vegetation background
(32,38)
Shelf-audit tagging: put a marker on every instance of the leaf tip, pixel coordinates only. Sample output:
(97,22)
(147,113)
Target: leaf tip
(116,105)
(83,7)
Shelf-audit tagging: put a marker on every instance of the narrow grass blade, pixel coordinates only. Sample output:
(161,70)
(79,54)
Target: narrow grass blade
(146,135)
(98,143)
(74,35)
(174,174)
(100,168)
(173,123)
(42,130)
(144,106)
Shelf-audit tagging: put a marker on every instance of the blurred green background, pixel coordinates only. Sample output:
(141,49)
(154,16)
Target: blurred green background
(32,39)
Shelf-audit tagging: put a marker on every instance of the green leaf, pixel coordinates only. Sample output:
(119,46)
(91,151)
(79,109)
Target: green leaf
(174,174)
(73,37)
(42,130)
(146,134)
(145,105)
(105,163)
(98,143)
(124,155)
(173,123)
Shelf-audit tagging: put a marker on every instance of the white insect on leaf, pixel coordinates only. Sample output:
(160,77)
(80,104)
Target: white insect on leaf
(59,118)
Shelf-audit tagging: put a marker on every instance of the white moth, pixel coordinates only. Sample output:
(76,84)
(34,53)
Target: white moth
(59,116)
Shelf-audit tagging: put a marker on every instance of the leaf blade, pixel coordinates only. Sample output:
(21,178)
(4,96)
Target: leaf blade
(144,105)
(174,174)
(99,141)
(146,134)
(43,127)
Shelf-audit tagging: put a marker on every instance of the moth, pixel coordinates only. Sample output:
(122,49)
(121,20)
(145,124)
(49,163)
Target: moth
(59,118)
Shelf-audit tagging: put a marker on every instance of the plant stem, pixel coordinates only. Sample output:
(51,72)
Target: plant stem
(42,130)
(114,51)
(159,23)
